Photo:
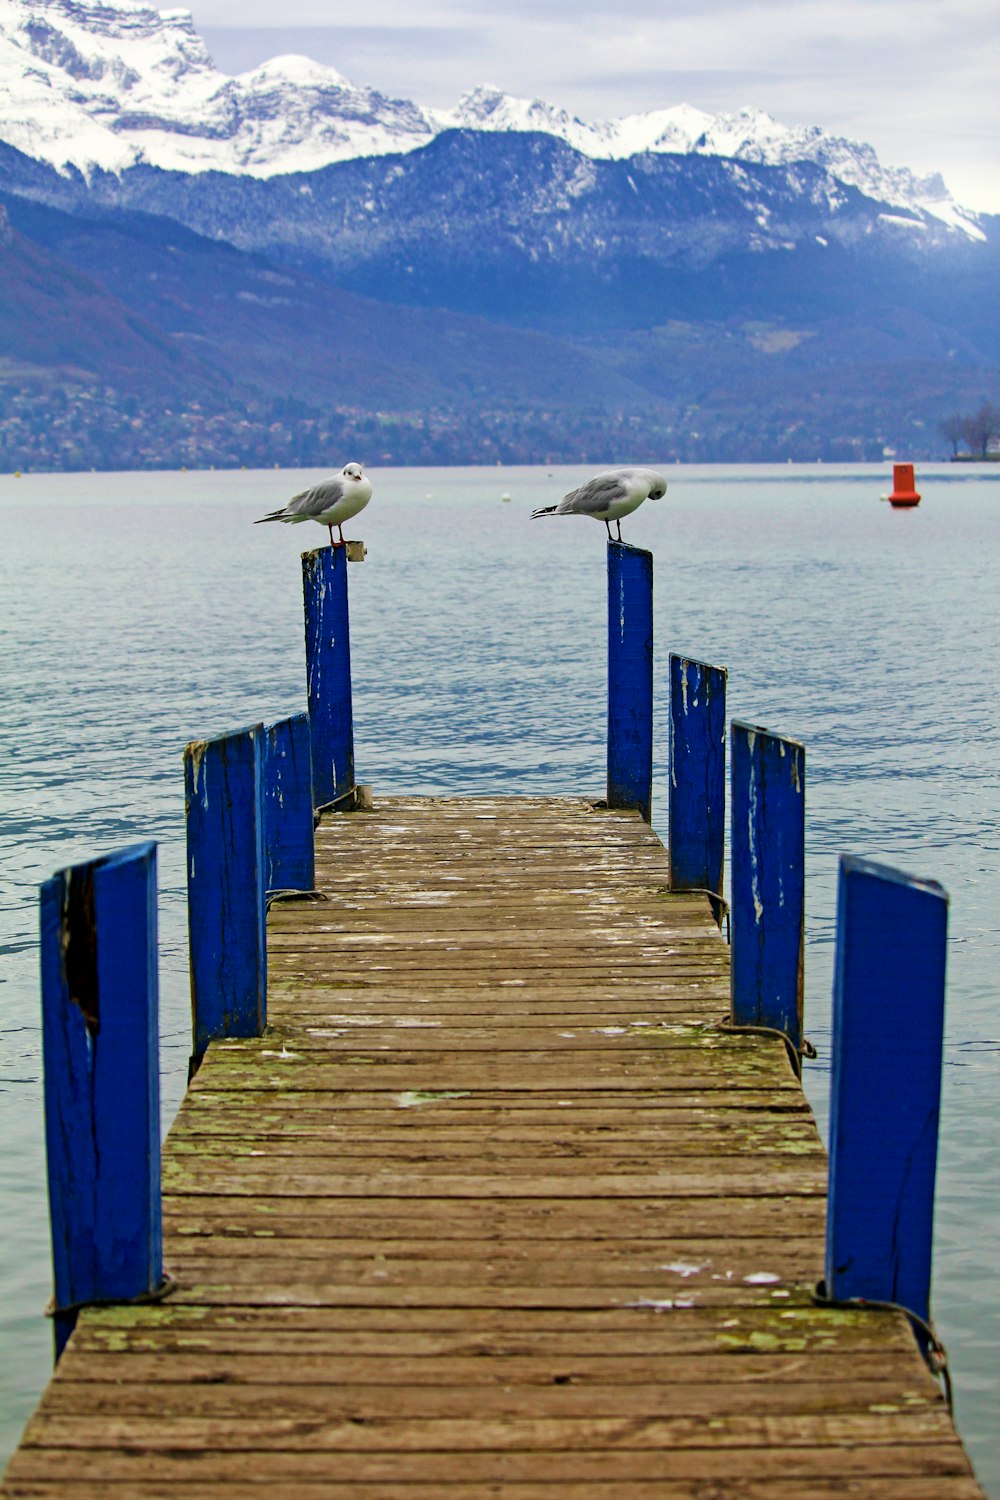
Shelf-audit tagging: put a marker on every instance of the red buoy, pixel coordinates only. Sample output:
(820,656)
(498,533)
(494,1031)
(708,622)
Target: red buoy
(903,493)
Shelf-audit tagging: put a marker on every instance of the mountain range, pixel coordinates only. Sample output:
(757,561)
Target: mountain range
(288,253)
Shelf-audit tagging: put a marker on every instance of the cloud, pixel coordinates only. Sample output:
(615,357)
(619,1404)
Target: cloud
(359,51)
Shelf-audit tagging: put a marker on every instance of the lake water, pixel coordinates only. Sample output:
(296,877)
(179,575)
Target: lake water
(143,610)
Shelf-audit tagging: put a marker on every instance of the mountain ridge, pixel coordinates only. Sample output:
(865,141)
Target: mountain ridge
(524,230)
(107,84)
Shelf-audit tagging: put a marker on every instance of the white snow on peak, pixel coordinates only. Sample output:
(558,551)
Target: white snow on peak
(487,108)
(292,67)
(108,83)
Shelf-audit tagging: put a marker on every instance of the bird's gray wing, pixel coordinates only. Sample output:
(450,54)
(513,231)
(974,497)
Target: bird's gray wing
(594,496)
(315,501)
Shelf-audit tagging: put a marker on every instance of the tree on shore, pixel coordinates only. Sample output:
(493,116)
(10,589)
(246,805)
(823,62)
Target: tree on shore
(979,430)
(953,428)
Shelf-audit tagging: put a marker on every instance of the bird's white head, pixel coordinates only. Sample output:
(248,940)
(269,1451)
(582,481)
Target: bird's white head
(353,471)
(658,488)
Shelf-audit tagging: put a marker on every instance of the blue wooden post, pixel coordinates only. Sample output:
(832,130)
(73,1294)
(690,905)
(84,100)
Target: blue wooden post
(100,1041)
(888,1024)
(289,863)
(328,673)
(630,677)
(696,818)
(223,786)
(768,880)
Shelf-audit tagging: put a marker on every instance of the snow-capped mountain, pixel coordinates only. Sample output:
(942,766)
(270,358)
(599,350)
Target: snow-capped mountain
(109,84)
(103,83)
(748,135)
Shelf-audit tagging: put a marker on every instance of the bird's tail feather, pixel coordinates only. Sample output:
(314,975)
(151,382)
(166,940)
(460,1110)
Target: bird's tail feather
(546,510)
(275,515)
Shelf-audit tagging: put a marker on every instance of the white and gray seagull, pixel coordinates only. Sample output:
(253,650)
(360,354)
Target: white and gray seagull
(609,496)
(331,502)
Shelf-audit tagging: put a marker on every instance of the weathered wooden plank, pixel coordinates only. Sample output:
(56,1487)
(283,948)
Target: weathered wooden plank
(704,1265)
(467,1118)
(472,1434)
(456,990)
(647,1041)
(549,947)
(427,1082)
(393,1371)
(598,1110)
(473,1298)
(516,1220)
(302,989)
(778,1177)
(939,1487)
(471,912)
(543,1141)
(793,1464)
(556,1399)
(291,1061)
(290,1331)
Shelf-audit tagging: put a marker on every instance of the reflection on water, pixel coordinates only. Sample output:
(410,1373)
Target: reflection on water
(140,611)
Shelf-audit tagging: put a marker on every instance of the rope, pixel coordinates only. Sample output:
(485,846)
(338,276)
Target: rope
(271,897)
(719,903)
(796,1054)
(936,1354)
(160,1294)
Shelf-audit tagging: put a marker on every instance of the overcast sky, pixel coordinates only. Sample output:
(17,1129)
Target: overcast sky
(917,79)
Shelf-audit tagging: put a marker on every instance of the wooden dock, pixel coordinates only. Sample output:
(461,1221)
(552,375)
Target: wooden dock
(494,1207)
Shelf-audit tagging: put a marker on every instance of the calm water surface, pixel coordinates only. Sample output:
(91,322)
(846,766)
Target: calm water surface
(140,611)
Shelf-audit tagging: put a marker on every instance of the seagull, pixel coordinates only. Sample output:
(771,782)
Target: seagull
(331,502)
(609,496)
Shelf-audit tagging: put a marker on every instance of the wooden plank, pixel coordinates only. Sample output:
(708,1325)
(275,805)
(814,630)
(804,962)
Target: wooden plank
(776,1178)
(597,1110)
(738,1217)
(393,1370)
(222,1400)
(791,1463)
(472,1434)
(290,1331)
(940,1487)
(647,1042)
(541,1143)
